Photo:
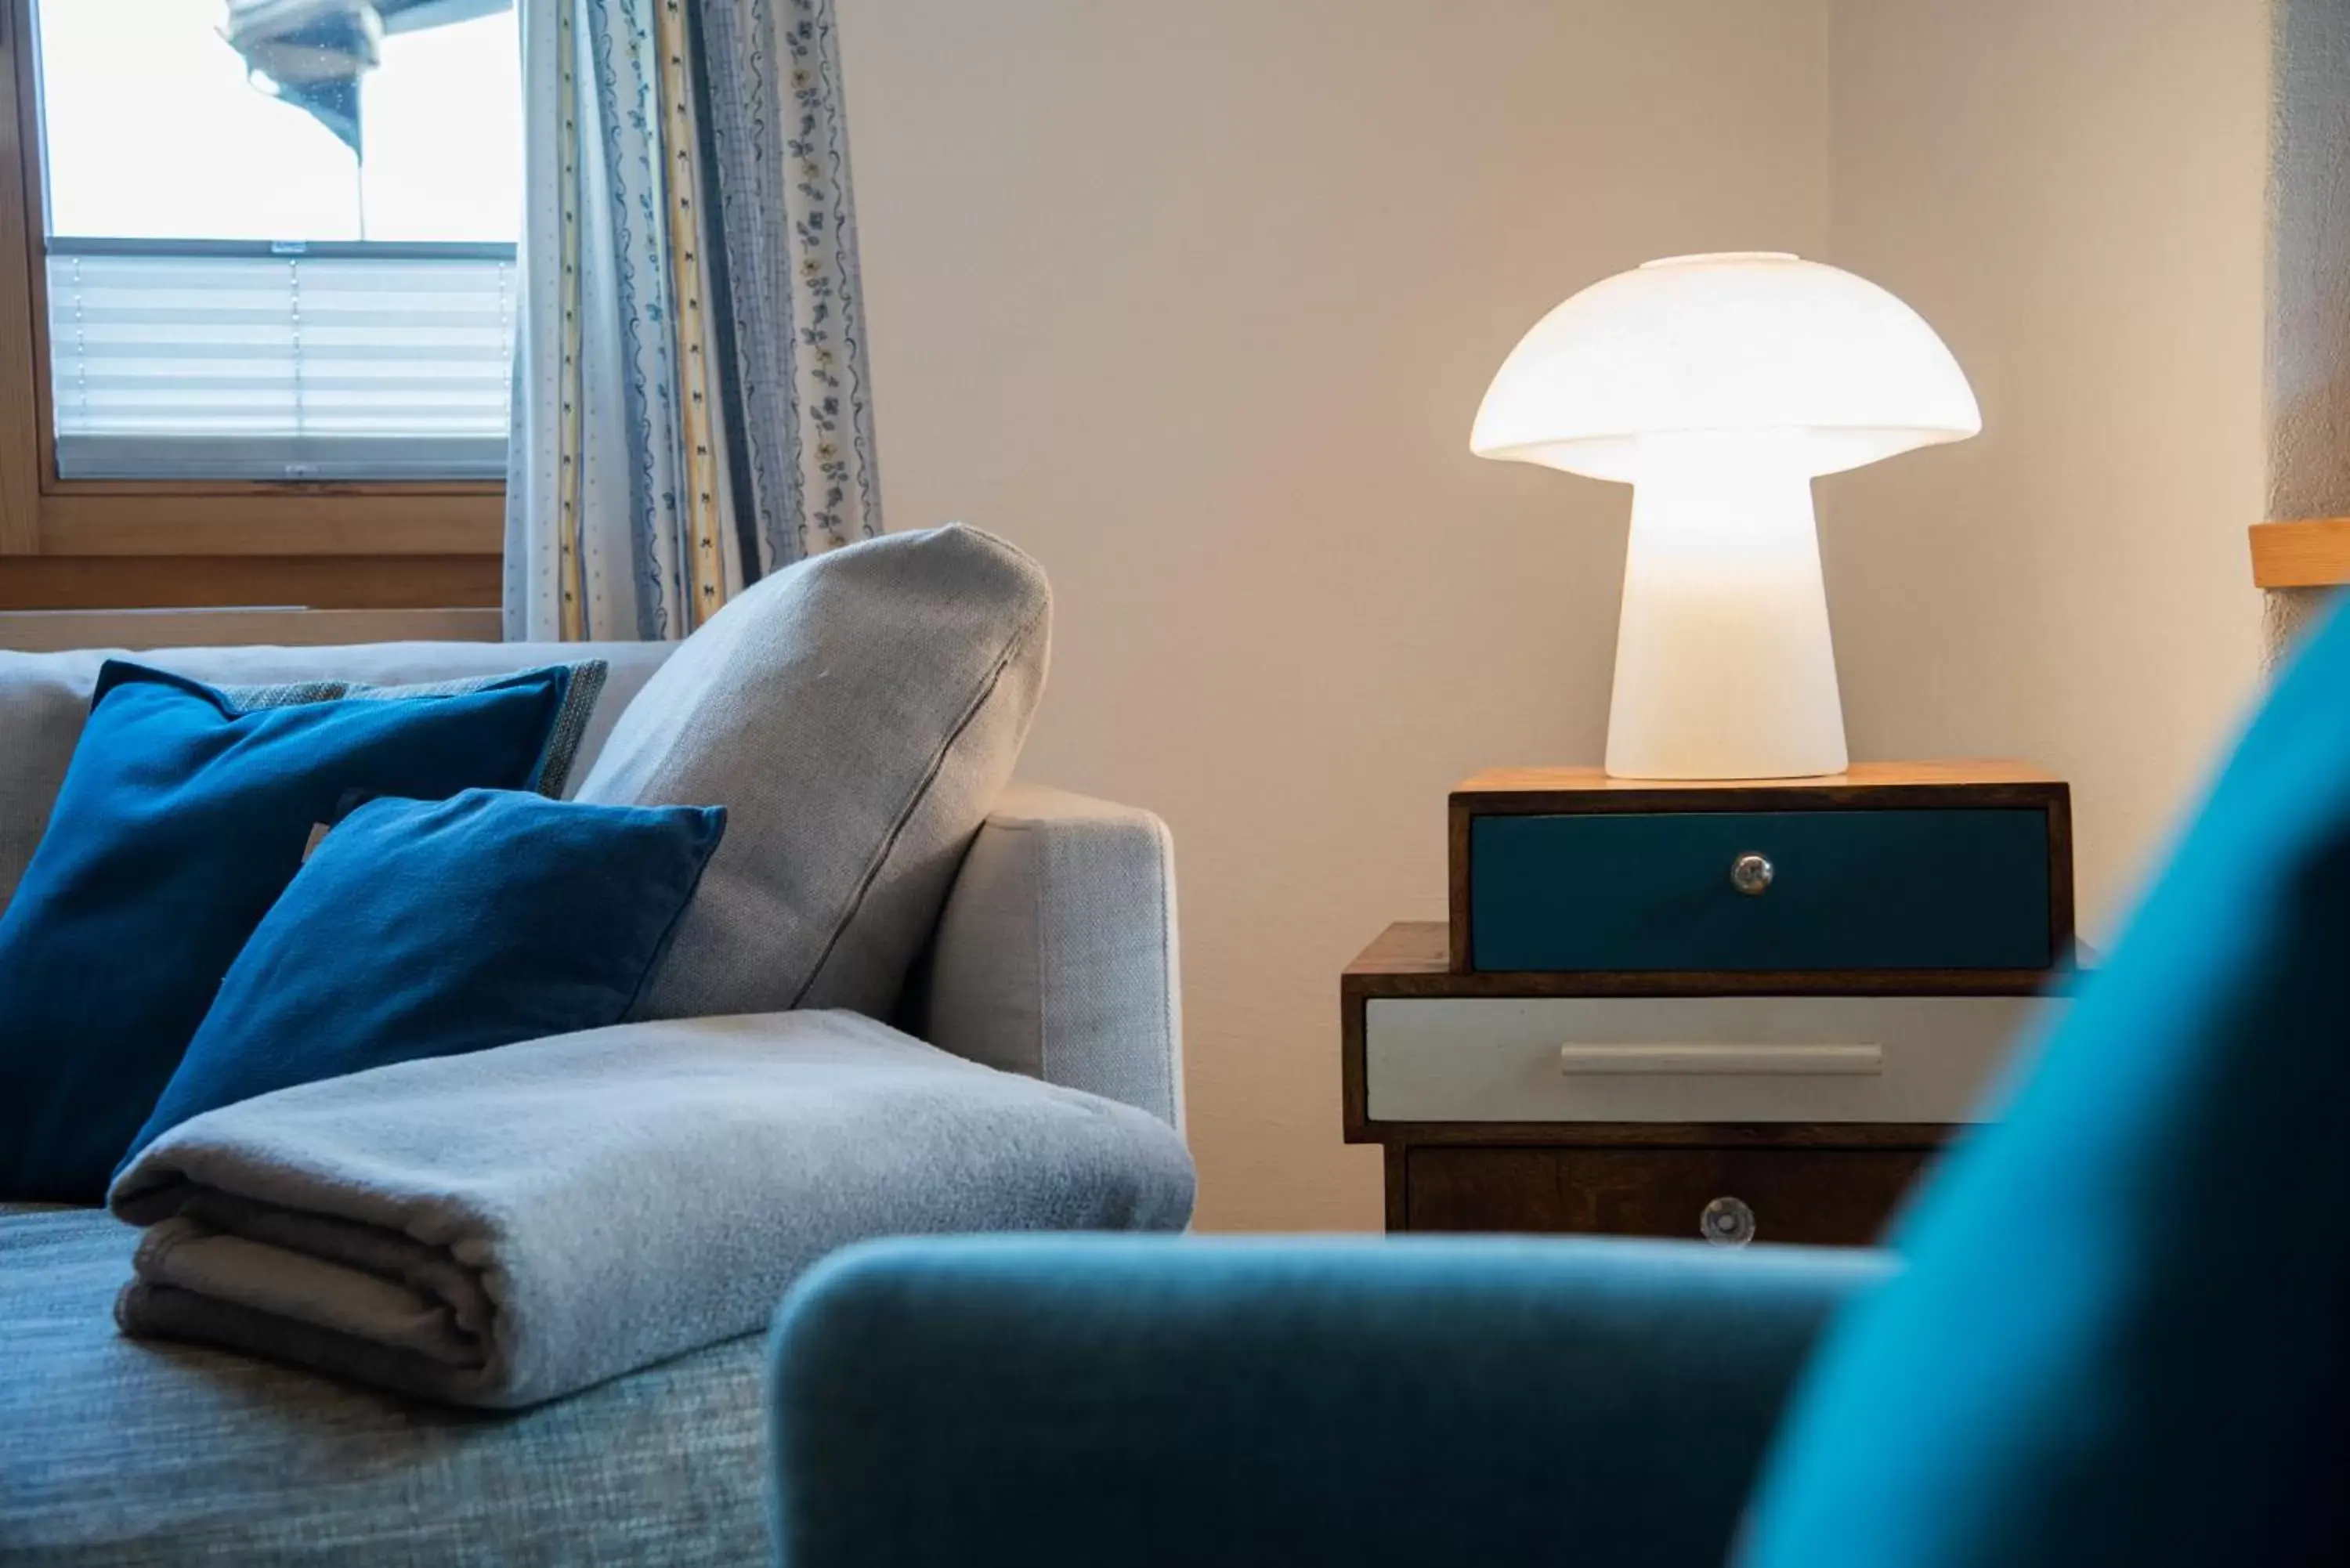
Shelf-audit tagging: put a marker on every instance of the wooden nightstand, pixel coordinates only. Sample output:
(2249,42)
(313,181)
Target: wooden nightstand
(1736,1011)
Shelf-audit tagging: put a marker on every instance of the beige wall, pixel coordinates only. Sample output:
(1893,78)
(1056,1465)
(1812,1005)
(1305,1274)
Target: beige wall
(2073,194)
(1195,303)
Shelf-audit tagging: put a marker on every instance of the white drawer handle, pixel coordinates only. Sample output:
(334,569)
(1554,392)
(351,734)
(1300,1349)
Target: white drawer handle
(1754,1061)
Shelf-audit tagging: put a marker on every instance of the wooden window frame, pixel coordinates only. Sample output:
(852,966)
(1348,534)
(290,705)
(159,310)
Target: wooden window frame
(146,544)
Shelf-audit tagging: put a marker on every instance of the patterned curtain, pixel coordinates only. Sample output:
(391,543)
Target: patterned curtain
(691,408)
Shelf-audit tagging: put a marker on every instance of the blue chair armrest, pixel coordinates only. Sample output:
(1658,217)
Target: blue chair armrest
(1042,1402)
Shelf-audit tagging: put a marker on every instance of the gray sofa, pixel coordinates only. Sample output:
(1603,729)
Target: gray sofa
(1054,958)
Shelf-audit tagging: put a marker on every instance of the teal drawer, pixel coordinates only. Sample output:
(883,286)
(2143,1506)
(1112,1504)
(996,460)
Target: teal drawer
(1847,889)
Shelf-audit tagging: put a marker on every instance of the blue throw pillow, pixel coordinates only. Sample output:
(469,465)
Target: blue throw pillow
(427,928)
(182,818)
(2119,1335)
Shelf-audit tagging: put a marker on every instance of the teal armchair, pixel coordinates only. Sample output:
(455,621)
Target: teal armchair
(1053,1403)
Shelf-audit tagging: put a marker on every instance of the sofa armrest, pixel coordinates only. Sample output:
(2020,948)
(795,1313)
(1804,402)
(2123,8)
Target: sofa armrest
(1056,954)
(1087,1400)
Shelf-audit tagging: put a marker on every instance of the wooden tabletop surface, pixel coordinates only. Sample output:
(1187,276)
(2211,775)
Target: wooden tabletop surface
(1860,776)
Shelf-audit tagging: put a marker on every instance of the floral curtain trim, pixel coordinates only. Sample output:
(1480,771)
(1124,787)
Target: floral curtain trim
(691,405)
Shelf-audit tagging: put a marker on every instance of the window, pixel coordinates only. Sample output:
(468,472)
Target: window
(172,360)
(269,258)
(310,282)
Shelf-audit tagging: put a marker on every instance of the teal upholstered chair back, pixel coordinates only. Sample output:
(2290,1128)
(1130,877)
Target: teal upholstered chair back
(2119,1336)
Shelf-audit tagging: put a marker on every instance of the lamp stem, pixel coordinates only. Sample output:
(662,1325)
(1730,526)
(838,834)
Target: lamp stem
(1724,667)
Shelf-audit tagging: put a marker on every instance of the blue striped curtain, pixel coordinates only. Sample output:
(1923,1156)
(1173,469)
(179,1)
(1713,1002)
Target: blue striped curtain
(691,405)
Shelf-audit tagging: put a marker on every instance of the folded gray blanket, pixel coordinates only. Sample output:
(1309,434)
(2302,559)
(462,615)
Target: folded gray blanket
(502,1228)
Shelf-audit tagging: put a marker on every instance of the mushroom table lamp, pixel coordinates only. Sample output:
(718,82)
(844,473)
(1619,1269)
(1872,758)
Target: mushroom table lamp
(1717,387)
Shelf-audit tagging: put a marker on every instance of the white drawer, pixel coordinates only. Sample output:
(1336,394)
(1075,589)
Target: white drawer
(1687,1059)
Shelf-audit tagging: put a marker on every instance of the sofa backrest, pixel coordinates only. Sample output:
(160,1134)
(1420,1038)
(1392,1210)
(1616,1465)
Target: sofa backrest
(44,698)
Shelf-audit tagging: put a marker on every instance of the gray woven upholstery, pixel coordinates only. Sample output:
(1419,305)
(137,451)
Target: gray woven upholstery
(117,1452)
(1055,955)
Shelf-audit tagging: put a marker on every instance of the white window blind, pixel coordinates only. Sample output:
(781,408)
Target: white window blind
(177,360)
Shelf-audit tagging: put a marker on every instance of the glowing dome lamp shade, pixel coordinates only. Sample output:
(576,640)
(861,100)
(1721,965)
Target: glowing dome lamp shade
(1717,387)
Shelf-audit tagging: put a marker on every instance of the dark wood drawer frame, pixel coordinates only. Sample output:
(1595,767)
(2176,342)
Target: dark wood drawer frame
(1410,960)
(1810,1197)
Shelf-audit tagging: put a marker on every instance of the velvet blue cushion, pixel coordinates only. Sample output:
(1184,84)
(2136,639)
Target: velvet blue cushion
(180,820)
(426,928)
(2119,1338)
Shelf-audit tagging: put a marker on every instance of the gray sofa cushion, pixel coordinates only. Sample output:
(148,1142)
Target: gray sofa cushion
(116,1452)
(44,697)
(856,715)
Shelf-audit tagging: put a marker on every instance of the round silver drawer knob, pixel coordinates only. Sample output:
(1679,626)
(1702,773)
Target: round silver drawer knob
(1727,1223)
(1750,875)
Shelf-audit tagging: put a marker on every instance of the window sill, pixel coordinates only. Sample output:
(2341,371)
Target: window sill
(287,522)
(318,582)
(52,631)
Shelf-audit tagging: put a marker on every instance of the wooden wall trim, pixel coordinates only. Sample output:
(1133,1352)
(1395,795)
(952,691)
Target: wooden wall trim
(2308,552)
(53,631)
(315,582)
(329,522)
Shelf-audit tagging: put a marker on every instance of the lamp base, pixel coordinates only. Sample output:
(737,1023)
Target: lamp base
(1724,668)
